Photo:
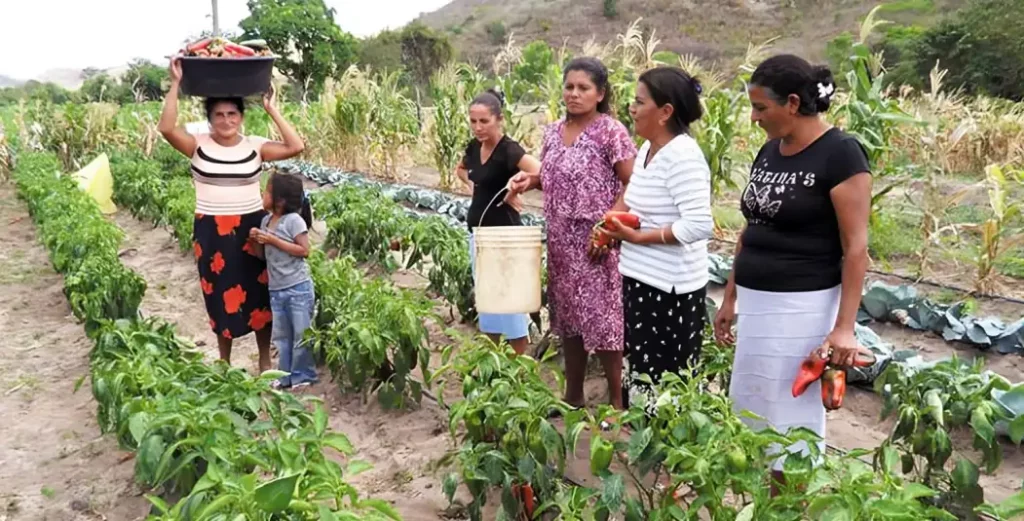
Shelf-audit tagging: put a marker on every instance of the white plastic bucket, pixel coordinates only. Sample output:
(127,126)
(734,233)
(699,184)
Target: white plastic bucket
(508,269)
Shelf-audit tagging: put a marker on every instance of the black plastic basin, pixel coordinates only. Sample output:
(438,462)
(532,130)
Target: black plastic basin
(226,77)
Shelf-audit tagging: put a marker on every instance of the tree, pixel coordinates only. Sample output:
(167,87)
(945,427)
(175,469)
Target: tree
(537,57)
(101,87)
(424,52)
(310,45)
(145,81)
(382,52)
(90,72)
(980,45)
(838,50)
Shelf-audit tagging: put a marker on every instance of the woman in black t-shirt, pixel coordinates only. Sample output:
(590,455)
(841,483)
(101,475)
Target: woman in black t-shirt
(491,159)
(800,262)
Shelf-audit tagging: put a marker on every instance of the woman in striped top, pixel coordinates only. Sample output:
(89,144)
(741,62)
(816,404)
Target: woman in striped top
(664,263)
(226,167)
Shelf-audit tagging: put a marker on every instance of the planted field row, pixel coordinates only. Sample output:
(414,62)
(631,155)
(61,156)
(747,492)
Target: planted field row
(219,441)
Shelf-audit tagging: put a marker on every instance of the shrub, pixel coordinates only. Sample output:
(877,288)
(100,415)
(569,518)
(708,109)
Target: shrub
(496,31)
(611,8)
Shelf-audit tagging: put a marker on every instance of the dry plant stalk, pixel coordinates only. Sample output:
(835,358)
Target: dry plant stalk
(996,236)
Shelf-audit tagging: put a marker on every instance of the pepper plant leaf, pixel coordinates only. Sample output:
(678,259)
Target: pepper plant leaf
(339,442)
(275,495)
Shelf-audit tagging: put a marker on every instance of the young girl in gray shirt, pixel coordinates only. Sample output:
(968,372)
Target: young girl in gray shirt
(283,240)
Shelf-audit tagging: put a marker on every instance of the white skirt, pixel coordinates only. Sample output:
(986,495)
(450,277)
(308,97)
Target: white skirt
(775,333)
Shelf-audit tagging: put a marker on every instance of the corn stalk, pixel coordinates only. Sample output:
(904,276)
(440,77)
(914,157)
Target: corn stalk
(449,128)
(997,237)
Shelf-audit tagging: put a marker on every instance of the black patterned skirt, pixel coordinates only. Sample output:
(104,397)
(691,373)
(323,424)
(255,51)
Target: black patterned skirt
(664,332)
(233,278)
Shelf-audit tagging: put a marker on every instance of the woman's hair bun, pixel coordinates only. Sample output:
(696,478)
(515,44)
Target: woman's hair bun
(496,92)
(697,87)
(785,75)
(824,87)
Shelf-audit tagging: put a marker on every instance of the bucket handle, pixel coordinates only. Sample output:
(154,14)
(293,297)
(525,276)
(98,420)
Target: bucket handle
(488,207)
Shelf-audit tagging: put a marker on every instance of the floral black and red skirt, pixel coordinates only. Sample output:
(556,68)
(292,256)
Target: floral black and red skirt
(233,278)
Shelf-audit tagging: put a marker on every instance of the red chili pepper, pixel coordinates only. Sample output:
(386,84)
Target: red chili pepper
(833,388)
(601,240)
(626,218)
(810,370)
(528,506)
(240,50)
(201,44)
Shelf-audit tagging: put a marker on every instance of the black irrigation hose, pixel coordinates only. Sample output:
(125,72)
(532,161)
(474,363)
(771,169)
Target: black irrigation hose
(922,281)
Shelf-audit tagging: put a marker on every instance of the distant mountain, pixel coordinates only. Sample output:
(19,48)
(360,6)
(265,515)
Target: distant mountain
(67,78)
(70,79)
(709,29)
(7,81)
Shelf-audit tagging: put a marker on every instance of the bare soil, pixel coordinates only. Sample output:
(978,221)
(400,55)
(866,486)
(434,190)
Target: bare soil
(54,463)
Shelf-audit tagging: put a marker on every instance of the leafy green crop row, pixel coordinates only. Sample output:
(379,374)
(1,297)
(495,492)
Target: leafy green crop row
(83,245)
(366,224)
(688,455)
(371,335)
(223,442)
(151,194)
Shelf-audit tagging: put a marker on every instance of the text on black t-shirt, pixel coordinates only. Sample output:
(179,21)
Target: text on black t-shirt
(792,240)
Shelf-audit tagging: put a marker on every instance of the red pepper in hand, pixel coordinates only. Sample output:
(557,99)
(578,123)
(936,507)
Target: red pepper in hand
(833,388)
(626,218)
(811,369)
(601,240)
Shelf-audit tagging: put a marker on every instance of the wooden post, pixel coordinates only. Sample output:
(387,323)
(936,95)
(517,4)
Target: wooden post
(216,19)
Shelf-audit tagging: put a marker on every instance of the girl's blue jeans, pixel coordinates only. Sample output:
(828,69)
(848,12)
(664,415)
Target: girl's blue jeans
(293,314)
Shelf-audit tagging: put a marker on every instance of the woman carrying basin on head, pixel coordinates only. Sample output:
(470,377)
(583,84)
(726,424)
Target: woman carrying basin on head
(491,160)
(226,168)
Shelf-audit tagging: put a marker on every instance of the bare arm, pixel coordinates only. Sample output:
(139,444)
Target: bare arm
(623,170)
(300,248)
(168,126)
(689,185)
(530,165)
(292,145)
(852,201)
(727,312)
(528,177)
(463,174)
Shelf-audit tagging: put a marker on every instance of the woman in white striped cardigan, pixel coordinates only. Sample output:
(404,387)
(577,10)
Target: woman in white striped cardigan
(664,263)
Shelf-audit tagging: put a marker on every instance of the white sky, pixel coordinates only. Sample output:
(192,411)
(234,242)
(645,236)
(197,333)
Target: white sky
(39,35)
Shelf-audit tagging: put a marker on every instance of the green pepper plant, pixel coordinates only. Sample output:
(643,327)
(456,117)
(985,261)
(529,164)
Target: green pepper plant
(507,438)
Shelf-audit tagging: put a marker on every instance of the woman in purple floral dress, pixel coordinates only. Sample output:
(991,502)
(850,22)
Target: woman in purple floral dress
(586,161)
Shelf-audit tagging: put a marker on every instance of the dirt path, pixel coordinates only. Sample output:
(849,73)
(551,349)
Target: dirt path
(54,464)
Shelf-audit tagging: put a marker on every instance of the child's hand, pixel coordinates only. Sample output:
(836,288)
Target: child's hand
(264,238)
(254,233)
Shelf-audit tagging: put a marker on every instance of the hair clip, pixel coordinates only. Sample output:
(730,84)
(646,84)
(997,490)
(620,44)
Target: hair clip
(698,87)
(826,91)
